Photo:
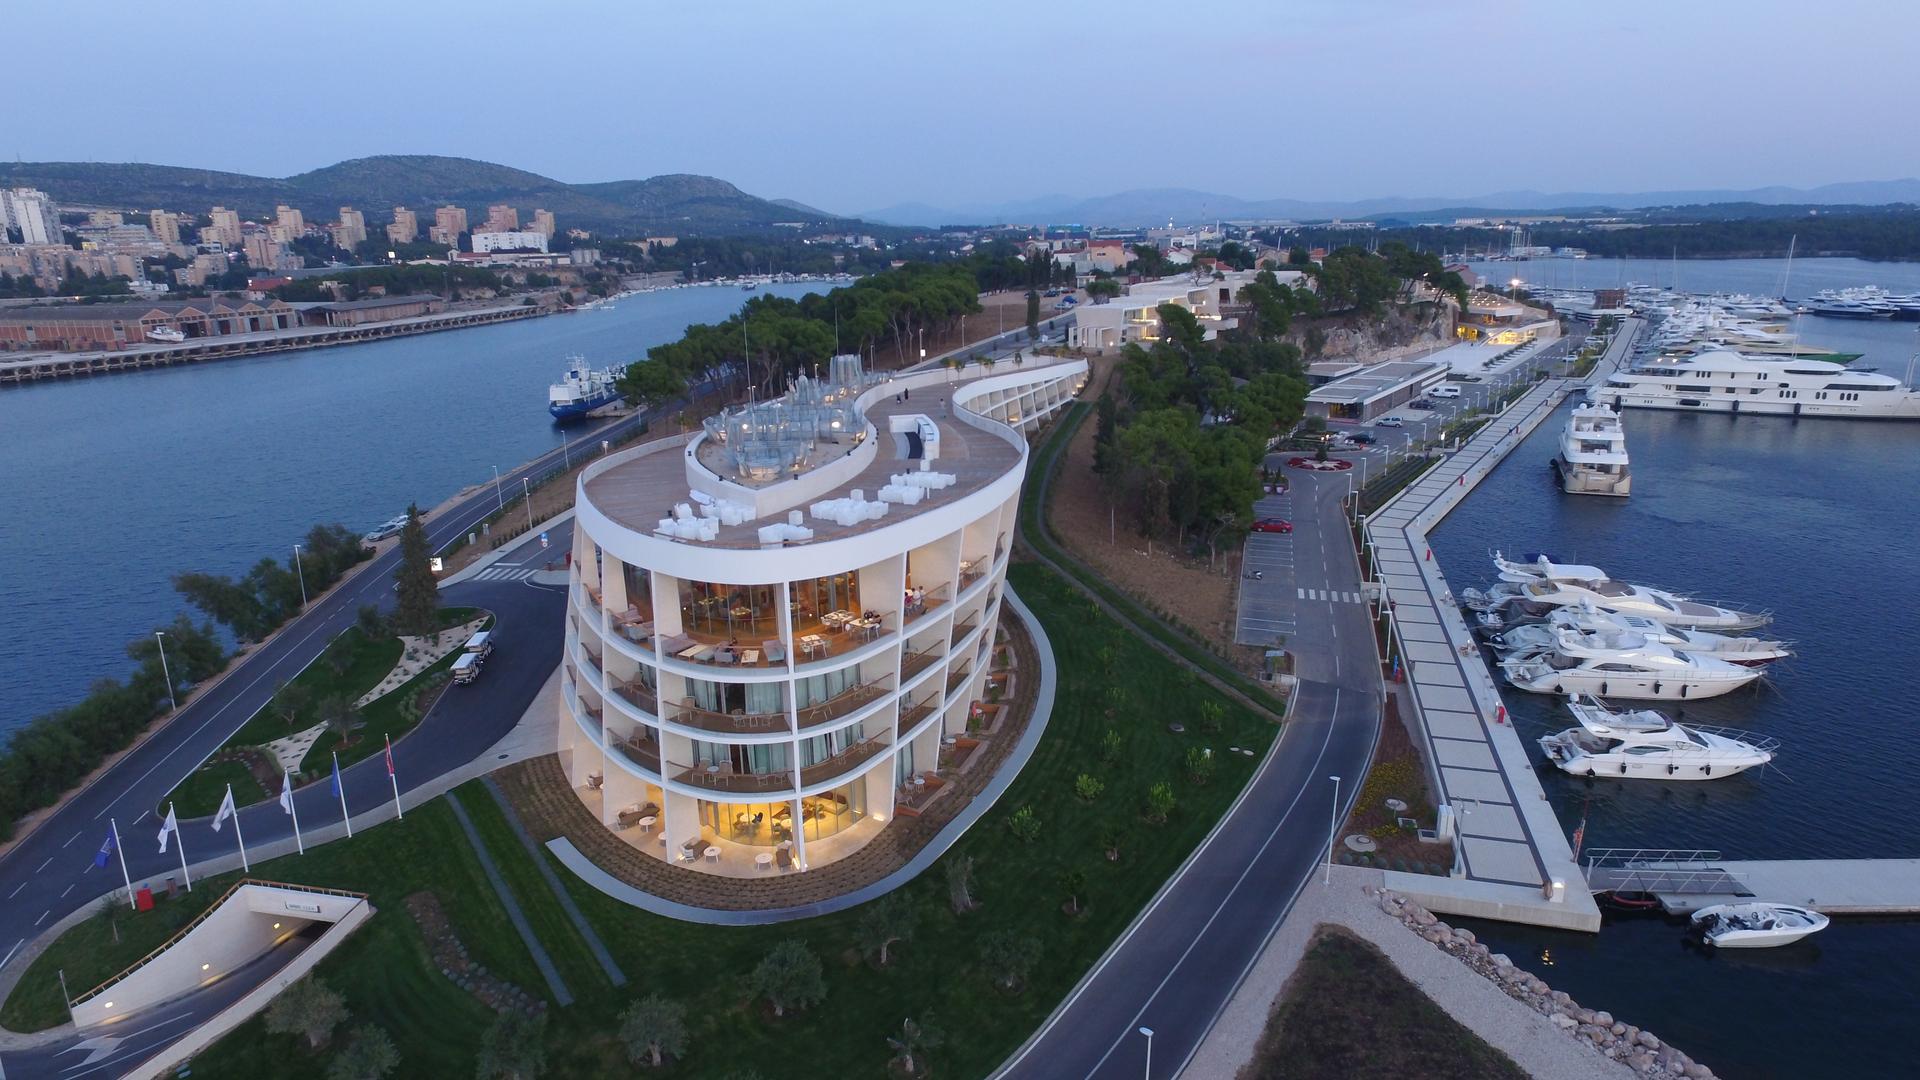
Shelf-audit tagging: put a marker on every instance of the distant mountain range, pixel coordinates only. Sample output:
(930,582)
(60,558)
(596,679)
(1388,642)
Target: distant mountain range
(1155,206)
(672,204)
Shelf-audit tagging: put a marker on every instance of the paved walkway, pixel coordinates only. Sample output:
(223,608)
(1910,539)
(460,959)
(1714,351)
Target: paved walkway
(561,995)
(1508,836)
(1526,1036)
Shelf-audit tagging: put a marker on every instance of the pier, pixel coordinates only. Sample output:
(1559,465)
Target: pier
(1512,860)
(229,346)
(1685,881)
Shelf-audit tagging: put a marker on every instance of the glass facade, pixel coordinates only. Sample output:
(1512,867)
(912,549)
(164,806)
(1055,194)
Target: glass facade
(816,598)
(746,614)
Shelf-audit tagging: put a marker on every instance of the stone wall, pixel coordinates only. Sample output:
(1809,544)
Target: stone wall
(1398,332)
(1640,1050)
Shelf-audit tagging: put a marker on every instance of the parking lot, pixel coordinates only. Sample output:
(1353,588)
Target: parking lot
(1267,606)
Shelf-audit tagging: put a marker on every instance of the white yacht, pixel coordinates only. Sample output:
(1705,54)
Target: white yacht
(1532,589)
(1756,925)
(166,335)
(1644,744)
(1592,459)
(1730,382)
(1614,630)
(1646,672)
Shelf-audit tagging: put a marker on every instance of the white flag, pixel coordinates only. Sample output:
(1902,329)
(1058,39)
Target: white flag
(286,792)
(226,809)
(168,829)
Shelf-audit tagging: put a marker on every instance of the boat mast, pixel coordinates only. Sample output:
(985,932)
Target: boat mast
(1788,275)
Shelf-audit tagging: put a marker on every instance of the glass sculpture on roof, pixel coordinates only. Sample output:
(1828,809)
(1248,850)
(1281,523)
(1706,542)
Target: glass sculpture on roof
(764,440)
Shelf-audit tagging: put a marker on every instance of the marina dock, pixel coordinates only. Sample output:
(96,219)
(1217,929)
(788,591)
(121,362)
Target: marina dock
(229,346)
(1513,861)
(1688,881)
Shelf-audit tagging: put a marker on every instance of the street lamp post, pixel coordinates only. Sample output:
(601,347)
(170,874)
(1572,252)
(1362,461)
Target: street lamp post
(302,572)
(1148,1032)
(1333,826)
(526,490)
(173,705)
(499,499)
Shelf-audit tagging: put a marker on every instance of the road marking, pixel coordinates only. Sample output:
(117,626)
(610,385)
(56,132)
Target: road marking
(16,890)
(69,889)
(137,820)
(43,865)
(70,840)
(42,918)
(9,957)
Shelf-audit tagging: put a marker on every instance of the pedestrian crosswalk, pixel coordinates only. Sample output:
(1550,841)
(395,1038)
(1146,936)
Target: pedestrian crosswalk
(505,573)
(1334,595)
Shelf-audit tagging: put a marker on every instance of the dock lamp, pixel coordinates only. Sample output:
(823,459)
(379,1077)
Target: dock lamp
(302,572)
(173,704)
(1333,826)
(1148,1032)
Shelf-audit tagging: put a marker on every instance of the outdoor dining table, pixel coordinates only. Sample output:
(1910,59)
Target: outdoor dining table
(837,619)
(813,643)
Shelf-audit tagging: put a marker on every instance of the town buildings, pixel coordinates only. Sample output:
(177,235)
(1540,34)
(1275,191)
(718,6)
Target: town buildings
(405,228)
(762,684)
(1135,316)
(165,225)
(517,240)
(351,230)
(225,228)
(448,223)
(501,218)
(32,213)
(543,222)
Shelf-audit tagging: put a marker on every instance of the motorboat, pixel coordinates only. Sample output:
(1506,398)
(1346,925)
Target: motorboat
(1644,744)
(1592,459)
(1756,924)
(1648,672)
(166,335)
(1538,586)
(1609,629)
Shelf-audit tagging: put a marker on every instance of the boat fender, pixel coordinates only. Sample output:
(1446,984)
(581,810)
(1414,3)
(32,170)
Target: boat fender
(1672,768)
(1623,768)
(1708,769)
(1557,689)
(1603,689)
(1683,691)
(1656,686)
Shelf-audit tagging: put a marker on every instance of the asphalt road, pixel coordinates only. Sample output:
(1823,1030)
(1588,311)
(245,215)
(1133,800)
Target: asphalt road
(1175,971)
(51,872)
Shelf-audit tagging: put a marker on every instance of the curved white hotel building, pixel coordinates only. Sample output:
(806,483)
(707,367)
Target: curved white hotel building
(772,625)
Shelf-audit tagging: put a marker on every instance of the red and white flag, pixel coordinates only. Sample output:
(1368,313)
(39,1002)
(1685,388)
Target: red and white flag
(389,755)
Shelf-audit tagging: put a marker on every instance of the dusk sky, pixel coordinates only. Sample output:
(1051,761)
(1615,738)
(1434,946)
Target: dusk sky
(856,106)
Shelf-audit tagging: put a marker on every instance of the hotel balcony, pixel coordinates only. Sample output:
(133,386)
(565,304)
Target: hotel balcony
(590,660)
(913,715)
(734,723)
(841,705)
(973,571)
(843,762)
(724,778)
(914,663)
(965,628)
(637,694)
(957,678)
(642,752)
(714,650)
(929,603)
(832,638)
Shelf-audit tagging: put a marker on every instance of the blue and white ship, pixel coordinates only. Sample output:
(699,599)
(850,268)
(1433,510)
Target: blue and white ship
(583,390)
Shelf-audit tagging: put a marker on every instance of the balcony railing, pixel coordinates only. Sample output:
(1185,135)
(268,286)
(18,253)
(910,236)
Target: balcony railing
(695,647)
(724,778)
(911,716)
(955,679)
(734,723)
(637,694)
(841,762)
(844,703)
(825,643)
(927,600)
(591,660)
(590,710)
(593,595)
(965,628)
(968,577)
(914,663)
(642,752)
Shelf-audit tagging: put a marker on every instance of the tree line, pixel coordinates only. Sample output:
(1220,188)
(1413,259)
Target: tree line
(55,751)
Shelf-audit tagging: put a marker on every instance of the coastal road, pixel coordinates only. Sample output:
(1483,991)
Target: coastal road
(1178,966)
(50,873)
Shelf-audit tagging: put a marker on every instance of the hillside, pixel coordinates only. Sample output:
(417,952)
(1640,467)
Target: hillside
(676,203)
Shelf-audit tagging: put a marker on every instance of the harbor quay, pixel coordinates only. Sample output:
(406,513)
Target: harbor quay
(1512,858)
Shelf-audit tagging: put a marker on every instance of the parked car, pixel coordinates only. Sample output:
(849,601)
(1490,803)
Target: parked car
(1421,403)
(1390,421)
(1361,438)
(1444,392)
(1272,525)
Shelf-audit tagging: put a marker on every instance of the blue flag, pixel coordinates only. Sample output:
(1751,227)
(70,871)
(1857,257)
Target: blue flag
(336,776)
(106,849)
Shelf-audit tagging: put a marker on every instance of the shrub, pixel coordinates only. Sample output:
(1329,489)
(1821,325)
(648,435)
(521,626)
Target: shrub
(1199,764)
(789,978)
(308,1007)
(1088,787)
(654,1028)
(1110,744)
(1008,957)
(1160,802)
(1025,824)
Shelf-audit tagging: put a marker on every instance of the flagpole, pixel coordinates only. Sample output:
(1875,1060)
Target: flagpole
(237,835)
(117,850)
(340,785)
(286,785)
(398,813)
(179,843)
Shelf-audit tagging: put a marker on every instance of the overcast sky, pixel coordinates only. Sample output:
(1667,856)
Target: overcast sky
(855,106)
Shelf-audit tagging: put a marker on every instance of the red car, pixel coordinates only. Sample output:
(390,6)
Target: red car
(1273,525)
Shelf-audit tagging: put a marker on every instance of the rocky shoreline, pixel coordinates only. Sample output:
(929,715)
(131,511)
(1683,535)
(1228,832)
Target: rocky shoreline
(1638,1049)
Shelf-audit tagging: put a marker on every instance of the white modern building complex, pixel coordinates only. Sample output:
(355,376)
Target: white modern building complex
(1136,316)
(774,624)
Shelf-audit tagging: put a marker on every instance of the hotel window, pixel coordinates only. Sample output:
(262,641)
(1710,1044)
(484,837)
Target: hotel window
(737,612)
(816,598)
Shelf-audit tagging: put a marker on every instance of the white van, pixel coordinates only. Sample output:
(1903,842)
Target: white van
(1444,391)
(467,668)
(481,644)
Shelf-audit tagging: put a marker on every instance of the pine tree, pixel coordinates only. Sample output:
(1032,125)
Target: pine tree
(417,608)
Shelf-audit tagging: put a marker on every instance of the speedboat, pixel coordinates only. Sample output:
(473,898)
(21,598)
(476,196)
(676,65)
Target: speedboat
(1644,744)
(1608,629)
(1539,586)
(1648,672)
(1756,925)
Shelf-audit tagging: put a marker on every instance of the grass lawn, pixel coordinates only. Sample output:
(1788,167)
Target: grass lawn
(938,975)
(1347,1011)
(351,665)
